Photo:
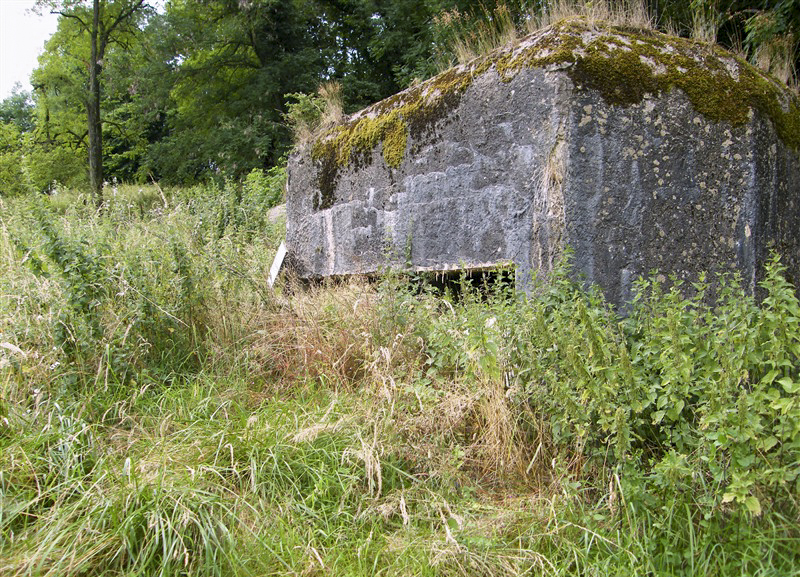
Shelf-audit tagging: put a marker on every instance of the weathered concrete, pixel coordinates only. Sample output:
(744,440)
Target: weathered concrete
(593,138)
(277,213)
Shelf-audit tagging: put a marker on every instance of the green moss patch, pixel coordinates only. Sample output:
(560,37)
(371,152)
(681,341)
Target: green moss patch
(625,77)
(623,65)
(388,123)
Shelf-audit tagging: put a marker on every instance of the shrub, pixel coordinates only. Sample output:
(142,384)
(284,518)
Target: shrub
(12,177)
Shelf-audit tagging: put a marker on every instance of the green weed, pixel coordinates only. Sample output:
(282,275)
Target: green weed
(163,413)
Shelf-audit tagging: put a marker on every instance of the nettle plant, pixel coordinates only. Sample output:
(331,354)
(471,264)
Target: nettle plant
(677,397)
(79,267)
(696,397)
(123,304)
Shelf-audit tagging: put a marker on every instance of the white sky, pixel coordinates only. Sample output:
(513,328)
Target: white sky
(22,38)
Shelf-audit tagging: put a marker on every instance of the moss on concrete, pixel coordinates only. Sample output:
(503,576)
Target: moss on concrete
(623,65)
(394,141)
(720,93)
(389,123)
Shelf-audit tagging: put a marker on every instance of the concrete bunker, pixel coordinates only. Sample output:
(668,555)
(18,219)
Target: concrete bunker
(639,150)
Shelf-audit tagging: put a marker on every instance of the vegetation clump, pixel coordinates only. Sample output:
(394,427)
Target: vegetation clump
(162,412)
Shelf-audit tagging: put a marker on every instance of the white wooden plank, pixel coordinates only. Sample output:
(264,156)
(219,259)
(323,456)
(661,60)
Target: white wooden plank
(275,269)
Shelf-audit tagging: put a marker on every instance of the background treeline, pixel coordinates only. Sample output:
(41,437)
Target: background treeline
(201,88)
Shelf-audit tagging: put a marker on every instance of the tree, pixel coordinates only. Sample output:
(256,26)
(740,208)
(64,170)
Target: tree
(236,61)
(59,143)
(16,120)
(18,109)
(233,63)
(104,22)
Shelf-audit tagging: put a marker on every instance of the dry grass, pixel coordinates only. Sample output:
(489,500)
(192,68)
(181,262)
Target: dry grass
(470,38)
(631,13)
(320,333)
(549,201)
(333,107)
(344,337)
(477,418)
(314,114)
(495,449)
(777,57)
(706,20)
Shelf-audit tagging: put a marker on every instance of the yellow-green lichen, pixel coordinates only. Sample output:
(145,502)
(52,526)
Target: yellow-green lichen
(394,143)
(389,123)
(623,65)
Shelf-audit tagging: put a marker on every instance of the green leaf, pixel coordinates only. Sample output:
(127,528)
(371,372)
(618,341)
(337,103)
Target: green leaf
(753,505)
(789,385)
(767,443)
(658,416)
(675,411)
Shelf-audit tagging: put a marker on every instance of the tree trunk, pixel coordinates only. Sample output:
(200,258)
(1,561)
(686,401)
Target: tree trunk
(93,111)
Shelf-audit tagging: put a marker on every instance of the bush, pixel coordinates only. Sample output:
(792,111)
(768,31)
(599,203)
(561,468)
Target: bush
(701,400)
(12,178)
(686,398)
(46,165)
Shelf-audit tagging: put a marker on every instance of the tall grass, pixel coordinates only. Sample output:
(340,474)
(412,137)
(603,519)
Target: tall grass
(464,36)
(629,13)
(163,413)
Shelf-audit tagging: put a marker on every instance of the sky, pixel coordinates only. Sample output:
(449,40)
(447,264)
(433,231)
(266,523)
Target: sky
(22,38)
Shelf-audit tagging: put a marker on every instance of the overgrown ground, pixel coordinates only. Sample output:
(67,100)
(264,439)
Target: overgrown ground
(163,413)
